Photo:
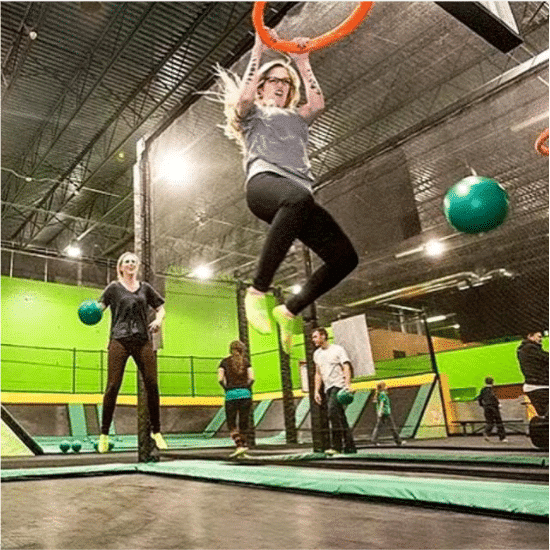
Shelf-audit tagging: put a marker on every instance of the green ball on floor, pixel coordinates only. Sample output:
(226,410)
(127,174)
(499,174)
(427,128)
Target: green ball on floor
(64,446)
(76,446)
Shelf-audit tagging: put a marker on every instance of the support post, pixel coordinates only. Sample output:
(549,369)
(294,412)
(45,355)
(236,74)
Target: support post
(289,411)
(244,338)
(143,248)
(319,416)
(434,366)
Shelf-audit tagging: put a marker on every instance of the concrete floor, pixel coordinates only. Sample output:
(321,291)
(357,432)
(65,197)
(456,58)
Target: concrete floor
(148,512)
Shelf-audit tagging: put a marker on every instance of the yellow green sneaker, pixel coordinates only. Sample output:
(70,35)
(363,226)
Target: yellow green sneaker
(285,320)
(240,451)
(159,441)
(256,311)
(103,445)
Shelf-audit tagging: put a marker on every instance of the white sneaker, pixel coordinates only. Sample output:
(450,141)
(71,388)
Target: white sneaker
(331,452)
(505,440)
(103,445)
(159,441)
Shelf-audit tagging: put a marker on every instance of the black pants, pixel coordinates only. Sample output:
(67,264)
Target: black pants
(292,212)
(493,418)
(539,400)
(240,408)
(145,358)
(340,432)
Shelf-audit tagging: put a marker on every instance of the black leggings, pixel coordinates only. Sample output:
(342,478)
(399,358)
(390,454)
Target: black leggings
(145,358)
(292,212)
(241,408)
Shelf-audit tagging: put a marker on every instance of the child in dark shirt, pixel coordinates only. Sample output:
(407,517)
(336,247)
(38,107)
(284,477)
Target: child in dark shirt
(490,403)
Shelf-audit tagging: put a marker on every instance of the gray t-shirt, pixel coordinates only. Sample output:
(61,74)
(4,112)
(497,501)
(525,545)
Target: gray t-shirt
(276,141)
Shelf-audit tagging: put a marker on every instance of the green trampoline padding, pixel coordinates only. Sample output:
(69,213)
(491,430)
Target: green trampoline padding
(260,410)
(490,496)
(78,420)
(415,414)
(215,424)
(518,460)
(11,444)
(513,498)
(355,408)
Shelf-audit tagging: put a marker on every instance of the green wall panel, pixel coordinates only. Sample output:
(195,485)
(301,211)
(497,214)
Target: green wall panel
(469,367)
(201,321)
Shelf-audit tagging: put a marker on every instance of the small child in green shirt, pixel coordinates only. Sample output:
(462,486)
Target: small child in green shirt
(383,414)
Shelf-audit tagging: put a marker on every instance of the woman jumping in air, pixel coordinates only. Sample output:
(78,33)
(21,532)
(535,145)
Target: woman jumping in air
(263,116)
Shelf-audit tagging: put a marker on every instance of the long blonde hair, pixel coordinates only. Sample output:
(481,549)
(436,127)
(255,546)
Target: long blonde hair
(121,259)
(229,95)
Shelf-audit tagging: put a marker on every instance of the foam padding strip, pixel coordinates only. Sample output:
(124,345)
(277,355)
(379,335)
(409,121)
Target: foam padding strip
(302,411)
(67,471)
(355,408)
(512,498)
(415,414)
(78,420)
(20,432)
(260,410)
(518,460)
(216,423)
(11,444)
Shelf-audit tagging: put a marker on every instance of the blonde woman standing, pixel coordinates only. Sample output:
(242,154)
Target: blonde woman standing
(131,336)
(263,116)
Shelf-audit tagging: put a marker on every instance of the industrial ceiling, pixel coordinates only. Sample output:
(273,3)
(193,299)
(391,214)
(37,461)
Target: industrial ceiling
(415,100)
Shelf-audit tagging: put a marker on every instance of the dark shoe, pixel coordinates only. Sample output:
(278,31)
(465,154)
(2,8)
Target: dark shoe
(350,451)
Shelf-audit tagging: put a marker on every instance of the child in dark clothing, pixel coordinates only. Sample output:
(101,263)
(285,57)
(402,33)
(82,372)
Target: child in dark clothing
(489,401)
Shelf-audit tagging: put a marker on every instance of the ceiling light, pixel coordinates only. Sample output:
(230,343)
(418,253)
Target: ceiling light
(434,248)
(436,318)
(73,251)
(202,272)
(173,168)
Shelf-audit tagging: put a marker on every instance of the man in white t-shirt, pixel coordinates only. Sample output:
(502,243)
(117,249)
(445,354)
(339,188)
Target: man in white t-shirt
(333,369)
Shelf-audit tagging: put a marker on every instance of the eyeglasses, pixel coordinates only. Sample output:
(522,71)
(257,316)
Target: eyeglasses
(275,80)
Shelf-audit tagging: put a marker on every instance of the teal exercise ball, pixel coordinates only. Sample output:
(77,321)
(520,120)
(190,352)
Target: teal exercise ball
(476,205)
(90,312)
(76,446)
(344,397)
(64,446)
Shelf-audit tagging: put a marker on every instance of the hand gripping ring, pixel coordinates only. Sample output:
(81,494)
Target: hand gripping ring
(540,146)
(322,41)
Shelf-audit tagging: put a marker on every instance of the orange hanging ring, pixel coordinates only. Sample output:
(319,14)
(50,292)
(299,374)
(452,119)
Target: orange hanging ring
(327,39)
(540,146)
